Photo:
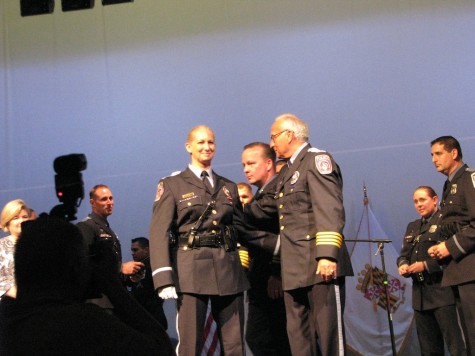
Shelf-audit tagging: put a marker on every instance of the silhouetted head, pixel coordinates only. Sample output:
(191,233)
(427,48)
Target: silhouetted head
(51,260)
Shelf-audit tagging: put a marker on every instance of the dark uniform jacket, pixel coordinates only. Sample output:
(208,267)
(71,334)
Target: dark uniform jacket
(144,292)
(93,229)
(262,213)
(180,201)
(458,205)
(312,217)
(427,292)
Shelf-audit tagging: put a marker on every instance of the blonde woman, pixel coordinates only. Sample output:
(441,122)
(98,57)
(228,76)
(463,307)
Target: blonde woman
(13,214)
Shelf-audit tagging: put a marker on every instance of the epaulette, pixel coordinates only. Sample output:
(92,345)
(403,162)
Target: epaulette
(316,150)
(172,174)
(468,169)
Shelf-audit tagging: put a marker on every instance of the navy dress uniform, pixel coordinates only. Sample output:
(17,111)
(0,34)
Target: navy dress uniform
(207,271)
(311,215)
(266,332)
(458,223)
(94,228)
(434,306)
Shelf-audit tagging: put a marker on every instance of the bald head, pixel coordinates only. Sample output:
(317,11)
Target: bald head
(201,146)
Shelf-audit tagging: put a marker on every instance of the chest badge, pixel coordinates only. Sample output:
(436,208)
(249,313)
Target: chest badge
(433,228)
(295,177)
(453,189)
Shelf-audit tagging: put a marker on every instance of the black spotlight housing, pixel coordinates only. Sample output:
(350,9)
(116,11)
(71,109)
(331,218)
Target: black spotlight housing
(73,5)
(69,184)
(36,7)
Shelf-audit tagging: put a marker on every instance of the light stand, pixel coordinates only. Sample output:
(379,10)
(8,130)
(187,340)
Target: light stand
(381,243)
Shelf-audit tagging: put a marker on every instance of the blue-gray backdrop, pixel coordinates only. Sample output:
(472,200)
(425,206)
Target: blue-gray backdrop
(376,80)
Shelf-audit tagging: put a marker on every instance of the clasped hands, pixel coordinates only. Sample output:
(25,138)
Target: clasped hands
(417,267)
(439,251)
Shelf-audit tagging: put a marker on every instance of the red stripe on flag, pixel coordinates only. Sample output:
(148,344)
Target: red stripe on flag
(211,345)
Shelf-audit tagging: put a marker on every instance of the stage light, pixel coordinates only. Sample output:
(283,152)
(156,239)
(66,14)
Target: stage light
(112,2)
(36,7)
(73,5)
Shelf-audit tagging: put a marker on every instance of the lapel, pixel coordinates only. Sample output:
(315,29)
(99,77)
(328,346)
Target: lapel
(269,186)
(434,220)
(289,172)
(218,182)
(448,185)
(192,179)
(102,223)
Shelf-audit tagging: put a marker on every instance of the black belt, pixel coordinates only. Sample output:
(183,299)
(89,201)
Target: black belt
(206,240)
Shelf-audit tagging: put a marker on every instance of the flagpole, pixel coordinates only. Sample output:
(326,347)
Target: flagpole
(381,243)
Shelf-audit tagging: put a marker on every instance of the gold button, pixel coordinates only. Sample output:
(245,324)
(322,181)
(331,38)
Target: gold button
(281,217)
(292,189)
(307,237)
(185,248)
(214,212)
(215,222)
(281,194)
(281,206)
(282,227)
(189,204)
(213,231)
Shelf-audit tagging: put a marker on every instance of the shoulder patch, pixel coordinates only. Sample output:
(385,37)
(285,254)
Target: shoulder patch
(160,190)
(323,164)
(316,150)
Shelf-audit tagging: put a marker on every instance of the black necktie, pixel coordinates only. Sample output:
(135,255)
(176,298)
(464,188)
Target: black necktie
(424,222)
(204,178)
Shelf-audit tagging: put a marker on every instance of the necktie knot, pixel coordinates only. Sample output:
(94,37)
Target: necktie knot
(206,181)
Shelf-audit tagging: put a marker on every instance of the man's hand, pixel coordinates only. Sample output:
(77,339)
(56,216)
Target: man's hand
(326,269)
(131,267)
(416,267)
(167,292)
(274,288)
(438,252)
(403,270)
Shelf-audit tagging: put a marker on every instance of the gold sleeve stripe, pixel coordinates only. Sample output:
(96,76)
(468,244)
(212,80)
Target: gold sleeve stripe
(329,238)
(244,257)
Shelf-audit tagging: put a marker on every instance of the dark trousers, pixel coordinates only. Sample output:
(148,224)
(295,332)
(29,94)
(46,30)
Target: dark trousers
(436,325)
(266,330)
(316,312)
(465,298)
(228,312)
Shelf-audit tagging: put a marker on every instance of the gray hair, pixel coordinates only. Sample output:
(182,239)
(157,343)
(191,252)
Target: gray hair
(293,123)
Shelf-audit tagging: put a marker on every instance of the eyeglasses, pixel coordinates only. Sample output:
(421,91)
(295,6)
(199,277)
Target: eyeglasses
(273,137)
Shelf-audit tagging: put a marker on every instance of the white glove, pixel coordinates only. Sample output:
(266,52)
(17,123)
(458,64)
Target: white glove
(168,293)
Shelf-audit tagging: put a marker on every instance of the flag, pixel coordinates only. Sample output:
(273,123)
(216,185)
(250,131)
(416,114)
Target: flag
(211,346)
(366,312)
